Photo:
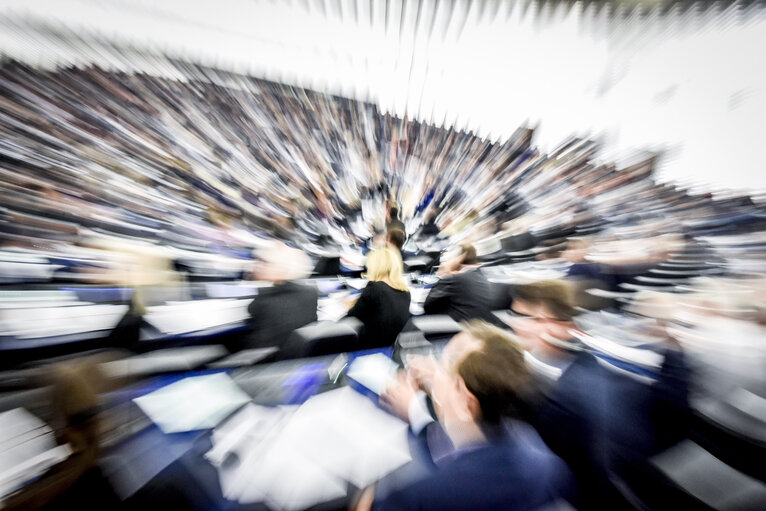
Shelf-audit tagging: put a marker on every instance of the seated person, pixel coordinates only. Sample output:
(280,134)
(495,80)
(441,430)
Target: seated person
(614,423)
(384,305)
(572,417)
(463,292)
(495,464)
(278,310)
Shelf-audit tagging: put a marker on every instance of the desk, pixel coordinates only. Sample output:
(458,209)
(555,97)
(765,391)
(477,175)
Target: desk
(147,466)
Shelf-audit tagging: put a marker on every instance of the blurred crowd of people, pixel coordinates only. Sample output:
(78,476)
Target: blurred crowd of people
(630,302)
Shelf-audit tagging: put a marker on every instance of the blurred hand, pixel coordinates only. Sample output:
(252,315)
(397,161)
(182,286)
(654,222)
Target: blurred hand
(349,301)
(396,399)
(451,266)
(366,498)
(421,369)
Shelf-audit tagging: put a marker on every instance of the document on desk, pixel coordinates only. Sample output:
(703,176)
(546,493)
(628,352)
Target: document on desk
(27,449)
(297,457)
(333,307)
(194,403)
(374,371)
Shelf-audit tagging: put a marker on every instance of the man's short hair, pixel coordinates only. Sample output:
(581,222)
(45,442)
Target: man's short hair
(556,295)
(469,254)
(393,212)
(496,374)
(397,237)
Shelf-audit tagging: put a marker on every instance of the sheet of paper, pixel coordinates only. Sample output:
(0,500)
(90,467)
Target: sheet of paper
(197,402)
(374,371)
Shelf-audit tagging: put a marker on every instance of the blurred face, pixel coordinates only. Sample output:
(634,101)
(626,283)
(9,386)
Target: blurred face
(537,321)
(453,401)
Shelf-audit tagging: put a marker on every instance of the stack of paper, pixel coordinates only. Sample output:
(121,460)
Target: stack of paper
(27,449)
(296,458)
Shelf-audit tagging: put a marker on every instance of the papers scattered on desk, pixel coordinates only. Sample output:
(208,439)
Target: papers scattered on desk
(197,402)
(333,307)
(296,458)
(49,320)
(193,316)
(374,371)
(27,449)
(357,284)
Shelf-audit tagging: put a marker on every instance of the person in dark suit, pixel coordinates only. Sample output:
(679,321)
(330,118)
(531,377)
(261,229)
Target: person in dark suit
(463,292)
(384,305)
(278,310)
(396,238)
(574,414)
(493,464)
(393,221)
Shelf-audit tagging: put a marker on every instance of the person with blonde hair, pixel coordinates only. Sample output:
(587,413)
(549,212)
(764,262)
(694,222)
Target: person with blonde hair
(384,305)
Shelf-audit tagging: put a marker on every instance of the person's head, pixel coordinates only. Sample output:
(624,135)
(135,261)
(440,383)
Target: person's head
(396,238)
(547,308)
(278,262)
(385,265)
(468,255)
(577,249)
(393,213)
(483,378)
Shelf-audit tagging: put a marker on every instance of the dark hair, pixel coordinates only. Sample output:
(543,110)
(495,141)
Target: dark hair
(469,254)
(497,374)
(554,294)
(393,212)
(397,237)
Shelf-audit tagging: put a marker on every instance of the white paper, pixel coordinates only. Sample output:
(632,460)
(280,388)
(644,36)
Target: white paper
(296,458)
(374,371)
(27,449)
(197,402)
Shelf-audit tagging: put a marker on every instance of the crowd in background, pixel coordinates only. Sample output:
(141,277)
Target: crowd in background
(143,181)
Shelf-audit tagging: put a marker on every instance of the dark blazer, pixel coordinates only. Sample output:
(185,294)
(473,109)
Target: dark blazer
(573,423)
(276,311)
(462,296)
(384,312)
(515,472)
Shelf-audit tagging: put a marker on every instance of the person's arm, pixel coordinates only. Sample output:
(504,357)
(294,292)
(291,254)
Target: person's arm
(362,307)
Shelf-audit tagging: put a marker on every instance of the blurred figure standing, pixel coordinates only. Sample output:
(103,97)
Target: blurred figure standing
(384,305)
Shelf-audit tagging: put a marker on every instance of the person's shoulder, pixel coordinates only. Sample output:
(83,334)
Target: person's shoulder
(298,288)
(374,286)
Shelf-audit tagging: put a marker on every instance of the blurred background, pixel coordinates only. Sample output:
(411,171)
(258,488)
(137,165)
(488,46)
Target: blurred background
(166,167)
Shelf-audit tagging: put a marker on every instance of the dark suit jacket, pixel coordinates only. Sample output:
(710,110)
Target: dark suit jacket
(462,296)
(573,422)
(515,472)
(276,311)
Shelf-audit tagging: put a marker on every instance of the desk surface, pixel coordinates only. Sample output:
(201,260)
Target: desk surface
(137,451)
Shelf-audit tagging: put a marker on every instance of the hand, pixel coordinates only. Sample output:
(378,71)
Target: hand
(451,266)
(366,498)
(396,398)
(349,301)
(421,369)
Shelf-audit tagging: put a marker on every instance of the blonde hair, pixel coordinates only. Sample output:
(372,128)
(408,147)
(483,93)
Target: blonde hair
(386,263)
